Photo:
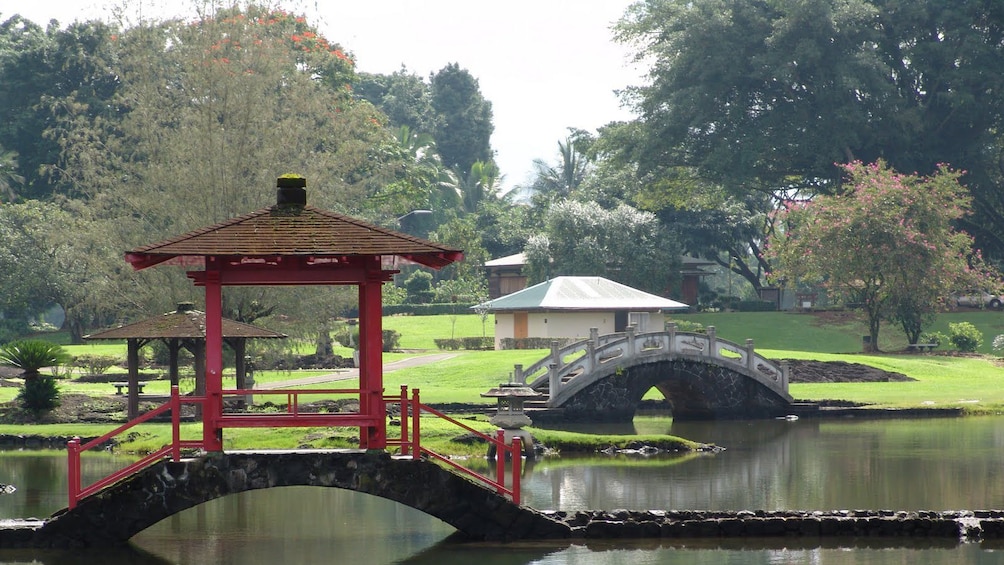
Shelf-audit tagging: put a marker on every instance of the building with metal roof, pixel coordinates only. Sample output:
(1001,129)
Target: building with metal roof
(567,307)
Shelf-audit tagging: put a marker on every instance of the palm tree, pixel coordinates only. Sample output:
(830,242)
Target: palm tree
(480,184)
(561,180)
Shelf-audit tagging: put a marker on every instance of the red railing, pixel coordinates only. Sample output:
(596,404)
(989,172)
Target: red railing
(74,448)
(409,441)
(410,444)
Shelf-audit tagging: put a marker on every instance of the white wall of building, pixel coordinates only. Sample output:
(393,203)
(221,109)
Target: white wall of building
(559,324)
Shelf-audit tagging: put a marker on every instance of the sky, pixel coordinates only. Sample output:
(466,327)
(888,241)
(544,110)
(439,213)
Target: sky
(546,65)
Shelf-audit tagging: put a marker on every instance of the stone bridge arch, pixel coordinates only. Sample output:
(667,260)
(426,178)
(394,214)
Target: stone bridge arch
(114,515)
(694,390)
(604,378)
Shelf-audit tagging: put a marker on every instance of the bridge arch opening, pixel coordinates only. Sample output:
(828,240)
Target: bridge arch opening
(315,518)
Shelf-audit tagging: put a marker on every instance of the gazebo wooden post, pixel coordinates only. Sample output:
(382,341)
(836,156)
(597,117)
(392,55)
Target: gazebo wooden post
(132,360)
(239,345)
(371,355)
(173,345)
(212,434)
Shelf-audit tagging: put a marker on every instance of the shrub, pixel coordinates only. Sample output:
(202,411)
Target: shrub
(688,326)
(936,338)
(478,343)
(533,342)
(448,344)
(39,395)
(95,364)
(391,339)
(469,343)
(419,287)
(965,336)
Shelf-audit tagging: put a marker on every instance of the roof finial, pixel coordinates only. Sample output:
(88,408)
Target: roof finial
(291,190)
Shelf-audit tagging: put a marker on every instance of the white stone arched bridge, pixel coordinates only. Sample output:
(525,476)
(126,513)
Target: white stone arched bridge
(702,376)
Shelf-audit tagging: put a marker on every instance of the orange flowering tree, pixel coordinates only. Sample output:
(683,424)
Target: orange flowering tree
(886,241)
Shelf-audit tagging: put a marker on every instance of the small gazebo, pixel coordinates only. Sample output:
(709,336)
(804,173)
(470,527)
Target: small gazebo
(185,327)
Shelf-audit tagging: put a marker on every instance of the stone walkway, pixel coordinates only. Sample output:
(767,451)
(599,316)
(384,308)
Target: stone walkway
(344,374)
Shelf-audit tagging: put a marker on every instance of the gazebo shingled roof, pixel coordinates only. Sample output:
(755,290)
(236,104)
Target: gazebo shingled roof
(182,323)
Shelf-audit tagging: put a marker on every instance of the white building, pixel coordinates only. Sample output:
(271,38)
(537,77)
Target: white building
(567,307)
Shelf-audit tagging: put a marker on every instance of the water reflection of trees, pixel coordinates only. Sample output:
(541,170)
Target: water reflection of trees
(808,464)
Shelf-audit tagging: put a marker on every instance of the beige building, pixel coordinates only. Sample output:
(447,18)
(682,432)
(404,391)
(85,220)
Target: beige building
(567,307)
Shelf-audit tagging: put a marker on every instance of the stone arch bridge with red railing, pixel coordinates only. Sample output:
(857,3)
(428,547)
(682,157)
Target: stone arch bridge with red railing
(701,376)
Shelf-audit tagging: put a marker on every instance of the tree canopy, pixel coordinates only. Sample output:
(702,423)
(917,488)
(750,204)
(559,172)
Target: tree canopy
(886,242)
(770,95)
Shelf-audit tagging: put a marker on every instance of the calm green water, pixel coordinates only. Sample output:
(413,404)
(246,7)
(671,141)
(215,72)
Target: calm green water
(809,464)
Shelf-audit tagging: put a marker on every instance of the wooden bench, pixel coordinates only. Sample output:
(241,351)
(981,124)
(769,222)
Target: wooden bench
(922,347)
(120,386)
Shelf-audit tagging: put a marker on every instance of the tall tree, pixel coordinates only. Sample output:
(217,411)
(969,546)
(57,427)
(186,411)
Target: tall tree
(213,111)
(43,75)
(887,242)
(464,132)
(403,96)
(769,95)
(623,244)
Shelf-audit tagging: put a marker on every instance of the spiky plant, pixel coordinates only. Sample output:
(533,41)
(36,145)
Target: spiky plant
(31,355)
(39,394)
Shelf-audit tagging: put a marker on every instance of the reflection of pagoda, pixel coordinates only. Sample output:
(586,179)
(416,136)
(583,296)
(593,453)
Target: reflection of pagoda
(692,269)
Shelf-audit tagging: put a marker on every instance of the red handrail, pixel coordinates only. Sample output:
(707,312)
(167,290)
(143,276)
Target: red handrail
(409,441)
(515,451)
(74,448)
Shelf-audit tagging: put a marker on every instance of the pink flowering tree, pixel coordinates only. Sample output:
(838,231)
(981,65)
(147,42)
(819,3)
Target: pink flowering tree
(887,242)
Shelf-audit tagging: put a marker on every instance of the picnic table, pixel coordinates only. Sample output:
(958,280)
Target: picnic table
(922,347)
(120,386)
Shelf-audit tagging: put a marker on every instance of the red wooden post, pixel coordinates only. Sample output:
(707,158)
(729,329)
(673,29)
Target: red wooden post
(517,467)
(500,450)
(175,423)
(371,357)
(212,435)
(404,420)
(416,411)
(73,469)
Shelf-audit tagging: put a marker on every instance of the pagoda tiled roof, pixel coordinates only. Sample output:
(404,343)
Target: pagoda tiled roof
(292,230)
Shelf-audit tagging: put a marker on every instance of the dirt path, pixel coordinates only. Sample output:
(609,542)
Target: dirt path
(344,374)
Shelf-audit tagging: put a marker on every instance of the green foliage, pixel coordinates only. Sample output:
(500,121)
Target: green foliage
(965,337)
(464,133)
(469,343)
(623,244)
(531,342)
(419,287)
(39,395)
(95,364)
(348,336)
(31,355)
(937,338)
(689,326)
(886,242)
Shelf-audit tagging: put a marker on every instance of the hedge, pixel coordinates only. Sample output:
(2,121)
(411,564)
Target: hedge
(471,343)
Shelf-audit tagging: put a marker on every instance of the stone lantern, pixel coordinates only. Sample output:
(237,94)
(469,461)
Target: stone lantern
(510,415)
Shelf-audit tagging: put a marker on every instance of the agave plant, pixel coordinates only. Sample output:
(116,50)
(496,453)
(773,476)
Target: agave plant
(31,355)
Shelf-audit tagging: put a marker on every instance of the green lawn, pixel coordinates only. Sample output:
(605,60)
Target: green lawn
(975,384)
(814,333)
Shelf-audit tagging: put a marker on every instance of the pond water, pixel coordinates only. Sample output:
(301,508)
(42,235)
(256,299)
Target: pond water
(936,464)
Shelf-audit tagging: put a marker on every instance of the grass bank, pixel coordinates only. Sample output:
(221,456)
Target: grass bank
(974,384)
